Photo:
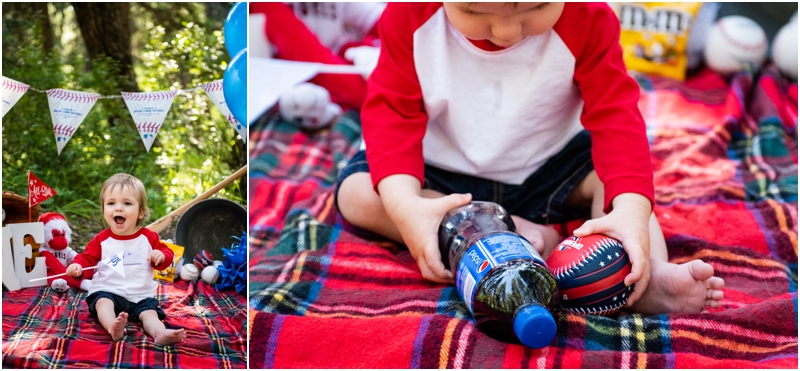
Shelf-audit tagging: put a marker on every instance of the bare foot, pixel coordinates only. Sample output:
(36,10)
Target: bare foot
(543,238)
(117,330)
(680,288)
(167,336)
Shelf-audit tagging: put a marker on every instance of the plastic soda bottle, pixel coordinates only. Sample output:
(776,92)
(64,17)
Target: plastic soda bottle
(499,275)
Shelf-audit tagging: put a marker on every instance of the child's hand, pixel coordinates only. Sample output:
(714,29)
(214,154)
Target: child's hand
(74,270)
(417,219)
(155,258)
(628,222)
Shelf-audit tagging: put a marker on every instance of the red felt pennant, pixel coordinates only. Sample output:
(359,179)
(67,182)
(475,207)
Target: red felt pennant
(38,191)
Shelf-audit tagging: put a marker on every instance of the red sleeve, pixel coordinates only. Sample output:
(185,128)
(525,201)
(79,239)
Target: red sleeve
(620,149)
(393,117)
(295,42)
(156,243)
(92,255)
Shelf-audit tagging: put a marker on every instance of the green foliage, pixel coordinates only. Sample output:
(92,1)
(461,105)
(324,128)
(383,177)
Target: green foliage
(195,148)
(196,152)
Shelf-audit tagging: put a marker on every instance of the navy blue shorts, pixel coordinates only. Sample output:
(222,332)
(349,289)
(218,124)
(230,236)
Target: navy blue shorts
(540,198)
(123,305)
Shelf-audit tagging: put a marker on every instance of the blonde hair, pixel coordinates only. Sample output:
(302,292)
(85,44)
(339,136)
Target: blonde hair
(127,180)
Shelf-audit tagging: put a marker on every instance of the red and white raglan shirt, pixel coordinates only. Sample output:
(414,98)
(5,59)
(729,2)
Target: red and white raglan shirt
(472,107)
(138,283)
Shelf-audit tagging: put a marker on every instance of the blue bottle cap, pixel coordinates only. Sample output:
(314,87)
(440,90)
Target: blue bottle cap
(534,326)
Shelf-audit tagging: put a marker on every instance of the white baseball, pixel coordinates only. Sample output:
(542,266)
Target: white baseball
(784,49)
(733,43)
(210,275)
(189,272)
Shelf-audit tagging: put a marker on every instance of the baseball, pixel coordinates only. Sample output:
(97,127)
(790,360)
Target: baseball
(784,49)
(735,43)
(590,272)
(210,275)
(203,259)
(189,272)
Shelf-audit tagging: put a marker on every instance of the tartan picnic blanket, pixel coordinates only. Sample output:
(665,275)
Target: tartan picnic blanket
(46,329)
(325,294)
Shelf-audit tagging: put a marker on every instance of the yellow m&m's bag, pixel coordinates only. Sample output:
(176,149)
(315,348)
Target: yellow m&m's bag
(654,36)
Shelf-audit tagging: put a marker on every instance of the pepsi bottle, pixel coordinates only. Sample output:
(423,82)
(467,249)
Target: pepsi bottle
(499,275)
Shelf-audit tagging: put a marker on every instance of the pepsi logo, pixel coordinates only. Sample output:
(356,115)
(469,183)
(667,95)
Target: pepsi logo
(483,266)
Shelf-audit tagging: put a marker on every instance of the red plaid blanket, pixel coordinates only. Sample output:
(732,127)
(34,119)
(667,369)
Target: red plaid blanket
(324,294)
(46,329)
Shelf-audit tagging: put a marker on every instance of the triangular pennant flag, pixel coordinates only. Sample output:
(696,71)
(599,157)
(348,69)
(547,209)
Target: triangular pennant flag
(214,91)
(116,262)
(12,91)
(68,108)
(129,258)
(149,111)
(38,191)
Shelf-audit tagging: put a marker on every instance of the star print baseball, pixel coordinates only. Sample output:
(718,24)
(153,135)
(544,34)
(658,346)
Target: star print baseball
(590,273)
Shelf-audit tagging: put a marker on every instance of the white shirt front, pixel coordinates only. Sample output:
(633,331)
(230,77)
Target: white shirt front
(499,115)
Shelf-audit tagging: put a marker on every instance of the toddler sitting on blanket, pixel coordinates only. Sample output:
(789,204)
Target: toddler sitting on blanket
(528,105)
(112,297)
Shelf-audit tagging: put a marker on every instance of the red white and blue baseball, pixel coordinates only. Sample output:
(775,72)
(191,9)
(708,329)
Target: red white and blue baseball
(590,272)
(202,260)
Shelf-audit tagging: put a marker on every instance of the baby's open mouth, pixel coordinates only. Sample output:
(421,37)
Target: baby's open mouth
(119,219)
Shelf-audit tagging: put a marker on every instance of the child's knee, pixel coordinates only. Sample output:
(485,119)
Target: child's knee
(148,315)
(104,303)
(356,198)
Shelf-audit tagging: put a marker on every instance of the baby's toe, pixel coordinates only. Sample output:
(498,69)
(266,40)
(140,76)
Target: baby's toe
(715,283)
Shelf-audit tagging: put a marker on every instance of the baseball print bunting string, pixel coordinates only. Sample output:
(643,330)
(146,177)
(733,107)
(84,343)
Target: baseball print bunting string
(68,108)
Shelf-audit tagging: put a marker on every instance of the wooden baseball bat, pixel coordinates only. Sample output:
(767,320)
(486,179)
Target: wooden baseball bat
(159,225)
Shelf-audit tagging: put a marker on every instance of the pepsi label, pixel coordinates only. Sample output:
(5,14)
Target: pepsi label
(487,253)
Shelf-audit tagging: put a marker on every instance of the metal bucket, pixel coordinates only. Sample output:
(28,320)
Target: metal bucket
(210,225)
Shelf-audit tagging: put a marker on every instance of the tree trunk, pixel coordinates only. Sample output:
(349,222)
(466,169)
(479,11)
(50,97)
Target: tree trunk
(106,30)
(43,18)
(35,13)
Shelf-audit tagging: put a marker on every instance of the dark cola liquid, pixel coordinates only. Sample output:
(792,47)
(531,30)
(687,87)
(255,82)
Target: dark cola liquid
(497,271)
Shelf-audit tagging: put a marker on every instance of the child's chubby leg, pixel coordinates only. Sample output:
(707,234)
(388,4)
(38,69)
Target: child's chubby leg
(362,207)
(673,288)
(155,328)
(114,324)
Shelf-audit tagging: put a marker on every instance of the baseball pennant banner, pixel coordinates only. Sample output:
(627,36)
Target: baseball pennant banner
(149,111)
(214,91)
(12,91)
(68,108)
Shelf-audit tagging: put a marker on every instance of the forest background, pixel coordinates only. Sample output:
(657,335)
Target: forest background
(108,48)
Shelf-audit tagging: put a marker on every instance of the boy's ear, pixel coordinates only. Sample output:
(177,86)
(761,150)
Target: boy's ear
(141,214)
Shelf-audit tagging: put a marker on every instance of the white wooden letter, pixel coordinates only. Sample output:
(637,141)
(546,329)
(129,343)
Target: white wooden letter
(10,280)
(23,251)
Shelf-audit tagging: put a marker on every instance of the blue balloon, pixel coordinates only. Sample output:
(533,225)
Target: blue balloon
(235,30)
(234,86)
